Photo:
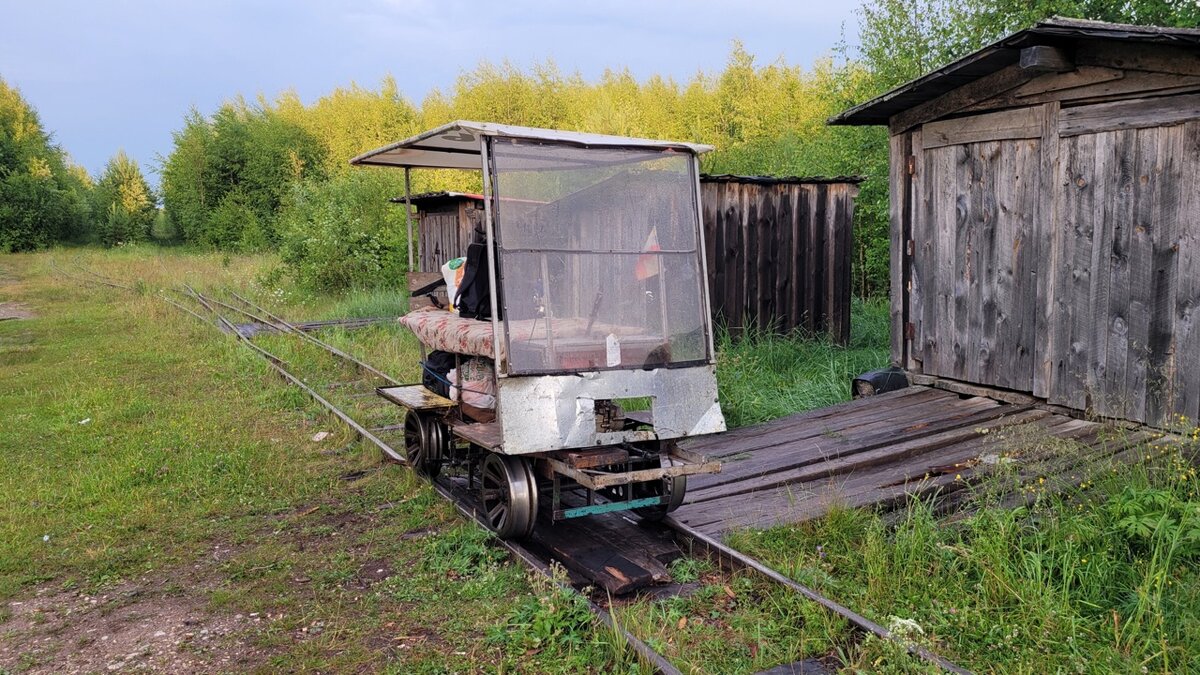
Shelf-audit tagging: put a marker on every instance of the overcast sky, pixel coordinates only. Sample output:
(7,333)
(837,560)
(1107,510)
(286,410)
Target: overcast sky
(109,74)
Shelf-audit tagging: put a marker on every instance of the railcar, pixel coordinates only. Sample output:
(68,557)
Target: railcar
(570,349)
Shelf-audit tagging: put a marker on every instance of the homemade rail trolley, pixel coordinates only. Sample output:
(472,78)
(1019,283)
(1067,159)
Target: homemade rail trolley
(572,346)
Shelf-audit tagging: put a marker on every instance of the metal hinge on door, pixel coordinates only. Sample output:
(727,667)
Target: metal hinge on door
(911,164)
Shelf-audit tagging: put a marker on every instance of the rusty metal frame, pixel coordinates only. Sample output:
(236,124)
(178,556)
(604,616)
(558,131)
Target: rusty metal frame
(711,357)
(688,464)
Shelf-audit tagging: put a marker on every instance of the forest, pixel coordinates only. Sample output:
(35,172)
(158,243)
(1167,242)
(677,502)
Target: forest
(270,173)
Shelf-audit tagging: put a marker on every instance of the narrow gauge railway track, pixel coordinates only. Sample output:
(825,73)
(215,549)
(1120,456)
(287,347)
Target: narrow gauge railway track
(535,555)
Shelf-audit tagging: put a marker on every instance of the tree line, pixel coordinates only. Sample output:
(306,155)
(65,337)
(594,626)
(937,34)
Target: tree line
(47,198)
(273,174)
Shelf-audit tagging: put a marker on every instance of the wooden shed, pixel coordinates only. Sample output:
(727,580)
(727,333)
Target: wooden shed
(779,249)
(445,222)
(1045,218)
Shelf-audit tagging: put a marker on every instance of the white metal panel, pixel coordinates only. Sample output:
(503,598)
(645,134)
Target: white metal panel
(552,412)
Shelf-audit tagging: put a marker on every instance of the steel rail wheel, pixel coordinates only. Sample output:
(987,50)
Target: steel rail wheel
(508,494)
(437,446)
(672,488)
(533,491)
(417,443)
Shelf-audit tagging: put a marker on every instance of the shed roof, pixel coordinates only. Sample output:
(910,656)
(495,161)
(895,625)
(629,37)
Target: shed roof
(456,145)
(777,180)
(432,198)
(1055,32)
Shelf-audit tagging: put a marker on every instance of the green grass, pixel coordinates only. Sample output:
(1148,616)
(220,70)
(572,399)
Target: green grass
(735,624)
(193,443)
(144,450)
(192,446)
(763,376)
(116,438)
(1104,577)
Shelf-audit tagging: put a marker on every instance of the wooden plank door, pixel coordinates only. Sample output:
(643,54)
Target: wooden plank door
(973,296)
(1125,339)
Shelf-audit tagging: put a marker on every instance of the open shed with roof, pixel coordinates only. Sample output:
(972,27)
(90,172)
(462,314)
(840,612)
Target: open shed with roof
(446,225)
(1045,217)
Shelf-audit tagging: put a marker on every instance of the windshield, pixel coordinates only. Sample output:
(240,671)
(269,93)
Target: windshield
(598,257)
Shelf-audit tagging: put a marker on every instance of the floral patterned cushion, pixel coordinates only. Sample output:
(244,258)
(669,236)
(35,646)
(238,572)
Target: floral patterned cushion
(449,332)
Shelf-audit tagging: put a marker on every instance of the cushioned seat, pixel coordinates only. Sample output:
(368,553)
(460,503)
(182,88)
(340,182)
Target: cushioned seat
(449,332)
(578,347)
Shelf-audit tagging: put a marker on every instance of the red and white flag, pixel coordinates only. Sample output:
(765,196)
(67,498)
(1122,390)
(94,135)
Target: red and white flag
(647,265)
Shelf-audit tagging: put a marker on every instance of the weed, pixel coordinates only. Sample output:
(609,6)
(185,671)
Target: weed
(1098,577)
(763,376)
(688,569)
(463,551)
(552,618)
(1152,518)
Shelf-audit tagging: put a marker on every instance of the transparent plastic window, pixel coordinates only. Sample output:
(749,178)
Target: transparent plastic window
(599,254)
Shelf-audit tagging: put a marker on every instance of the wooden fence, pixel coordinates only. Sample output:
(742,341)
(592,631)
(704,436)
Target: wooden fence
(779,252)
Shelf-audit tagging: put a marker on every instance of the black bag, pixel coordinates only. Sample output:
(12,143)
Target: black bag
(434,370)
(474,299)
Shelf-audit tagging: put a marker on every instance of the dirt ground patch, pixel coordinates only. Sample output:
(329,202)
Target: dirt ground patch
(14,310)
(141,626)
(11,309)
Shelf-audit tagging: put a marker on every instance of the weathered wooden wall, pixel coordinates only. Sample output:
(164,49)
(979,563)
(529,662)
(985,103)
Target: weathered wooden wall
(779,252)
(1125,341)
(1049,243)
(445,230)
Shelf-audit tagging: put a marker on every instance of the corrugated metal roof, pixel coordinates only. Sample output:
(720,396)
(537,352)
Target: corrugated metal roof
(1056,31)
(456,145)
(774,180)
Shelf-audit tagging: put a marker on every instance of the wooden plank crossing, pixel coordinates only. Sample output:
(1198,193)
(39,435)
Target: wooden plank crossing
(873,452)
(608,551)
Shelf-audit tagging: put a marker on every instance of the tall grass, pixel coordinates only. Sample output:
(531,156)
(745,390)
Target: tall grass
(762,376)
(1101,577)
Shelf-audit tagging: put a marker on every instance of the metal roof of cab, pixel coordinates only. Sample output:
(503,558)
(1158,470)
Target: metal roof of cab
(1056,31)
(456,145)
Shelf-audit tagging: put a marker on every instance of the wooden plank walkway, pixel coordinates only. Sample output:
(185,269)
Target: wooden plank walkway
(608,550)
(872,452)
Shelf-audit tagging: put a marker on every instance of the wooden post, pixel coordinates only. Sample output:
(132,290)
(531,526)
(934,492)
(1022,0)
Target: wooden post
(408,215)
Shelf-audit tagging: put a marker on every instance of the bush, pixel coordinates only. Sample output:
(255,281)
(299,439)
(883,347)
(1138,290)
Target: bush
(235,225)
(35,212)
(43,197)
(122,203)
(343,233)
(227,175)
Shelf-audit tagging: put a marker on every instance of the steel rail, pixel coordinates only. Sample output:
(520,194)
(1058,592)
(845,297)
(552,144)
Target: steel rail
(317,341)
(277,363)
(109,281)
(59,270)
(248,315)
(189,294)
(744,561)
(189,311)
(645,651)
